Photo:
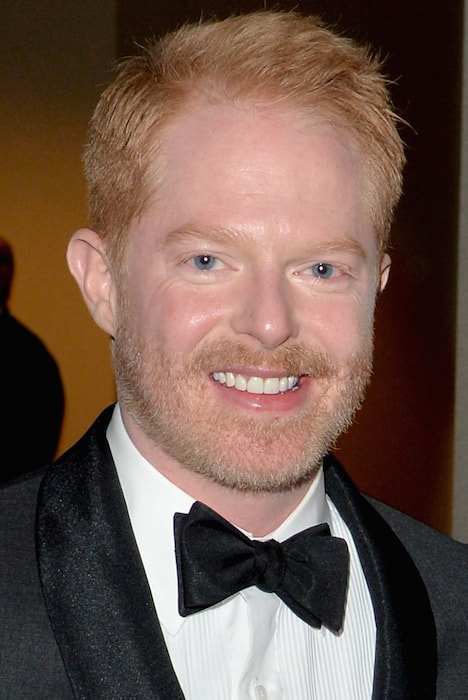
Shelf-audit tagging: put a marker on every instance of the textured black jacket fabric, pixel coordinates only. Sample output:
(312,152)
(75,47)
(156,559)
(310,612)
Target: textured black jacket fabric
(77,619)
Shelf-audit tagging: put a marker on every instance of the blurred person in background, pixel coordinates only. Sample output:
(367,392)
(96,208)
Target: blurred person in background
(31,390)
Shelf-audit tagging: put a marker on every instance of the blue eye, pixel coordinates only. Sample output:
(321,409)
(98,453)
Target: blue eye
(323,270)
(204,262)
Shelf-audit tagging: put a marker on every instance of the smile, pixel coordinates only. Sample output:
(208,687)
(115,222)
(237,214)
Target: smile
(256,385)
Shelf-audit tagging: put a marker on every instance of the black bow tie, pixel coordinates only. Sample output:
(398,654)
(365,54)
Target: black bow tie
(309,571)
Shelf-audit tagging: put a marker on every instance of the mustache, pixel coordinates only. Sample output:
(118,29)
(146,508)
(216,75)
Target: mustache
(296,359)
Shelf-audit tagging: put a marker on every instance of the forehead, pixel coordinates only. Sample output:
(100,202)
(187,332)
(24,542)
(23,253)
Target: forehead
(232,167)
(248,136)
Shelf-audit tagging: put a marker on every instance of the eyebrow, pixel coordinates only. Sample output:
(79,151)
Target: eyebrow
(348,244)
(194,233)
(218,234)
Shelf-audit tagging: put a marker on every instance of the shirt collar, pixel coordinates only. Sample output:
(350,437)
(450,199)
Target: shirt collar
(152,501)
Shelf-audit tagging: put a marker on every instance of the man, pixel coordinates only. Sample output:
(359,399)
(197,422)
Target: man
(242,178)
(31,390)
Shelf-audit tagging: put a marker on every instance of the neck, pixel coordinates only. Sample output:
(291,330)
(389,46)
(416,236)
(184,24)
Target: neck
(256,512)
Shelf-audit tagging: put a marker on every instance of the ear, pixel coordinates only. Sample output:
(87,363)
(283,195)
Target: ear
(89,266)
(385,265)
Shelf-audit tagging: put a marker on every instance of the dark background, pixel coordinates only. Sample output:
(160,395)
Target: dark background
(400,448)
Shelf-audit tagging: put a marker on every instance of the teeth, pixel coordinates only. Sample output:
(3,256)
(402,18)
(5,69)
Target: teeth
(241,383)
(256,385)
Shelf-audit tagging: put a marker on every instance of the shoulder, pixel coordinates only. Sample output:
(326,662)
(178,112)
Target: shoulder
(15,331)
(18,505)
(18,340)
(19,578)
(400,546)
(19,498)
(435,554)
(18,502)
(442,563)
(30,663)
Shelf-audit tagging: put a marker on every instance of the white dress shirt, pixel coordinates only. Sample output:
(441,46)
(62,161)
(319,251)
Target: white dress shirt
(251,646)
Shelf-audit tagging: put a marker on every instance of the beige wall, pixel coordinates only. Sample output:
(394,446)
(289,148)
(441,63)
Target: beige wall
(54,59)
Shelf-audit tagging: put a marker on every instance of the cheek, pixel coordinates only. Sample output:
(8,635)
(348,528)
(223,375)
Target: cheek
(340,326)
(182,319)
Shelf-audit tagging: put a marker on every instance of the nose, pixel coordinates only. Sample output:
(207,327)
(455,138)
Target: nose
(265,311)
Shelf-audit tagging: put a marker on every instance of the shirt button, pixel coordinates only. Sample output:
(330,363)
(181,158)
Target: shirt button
(260,693)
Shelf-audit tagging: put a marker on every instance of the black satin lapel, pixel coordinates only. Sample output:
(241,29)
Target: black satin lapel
(94,584)
(406,651)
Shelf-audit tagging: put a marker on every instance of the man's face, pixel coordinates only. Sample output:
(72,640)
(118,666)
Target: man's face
(244,327)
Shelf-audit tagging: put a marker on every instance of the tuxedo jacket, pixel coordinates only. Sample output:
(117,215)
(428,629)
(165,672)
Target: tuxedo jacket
(77,618)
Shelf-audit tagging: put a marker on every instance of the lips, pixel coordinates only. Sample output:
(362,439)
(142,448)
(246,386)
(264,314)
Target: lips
(256,385)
